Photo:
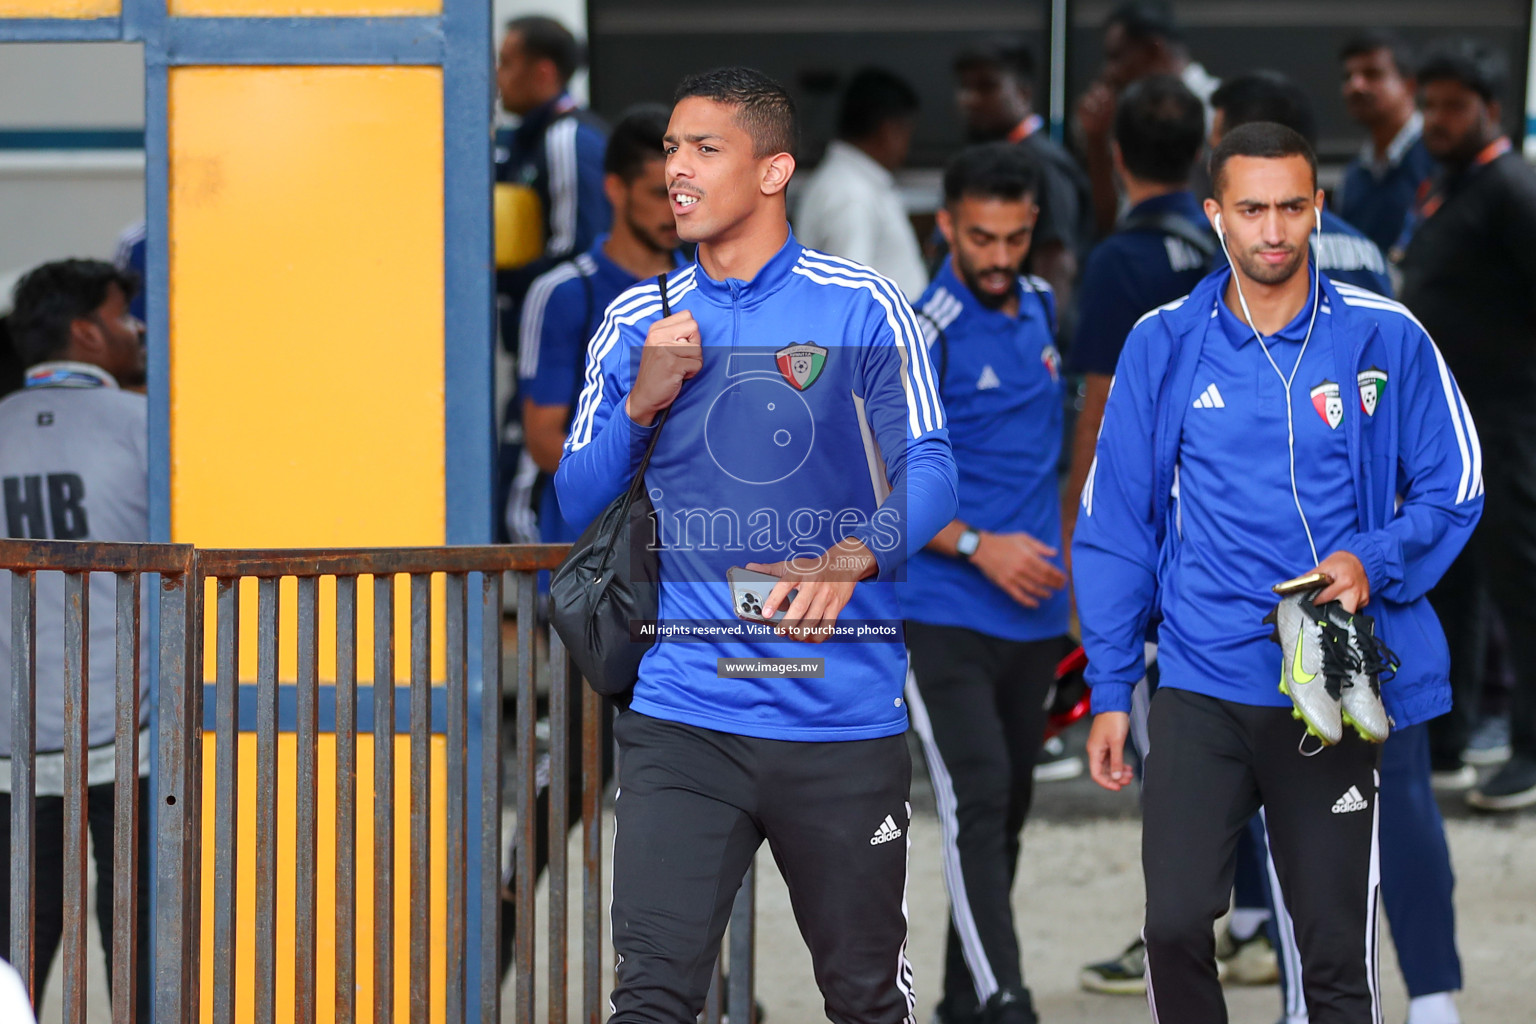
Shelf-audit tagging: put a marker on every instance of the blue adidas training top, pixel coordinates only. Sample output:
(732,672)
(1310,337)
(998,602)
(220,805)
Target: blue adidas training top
(1142,546)
(815,417)
(1001,386)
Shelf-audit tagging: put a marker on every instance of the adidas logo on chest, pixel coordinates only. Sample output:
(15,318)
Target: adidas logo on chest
(988,379)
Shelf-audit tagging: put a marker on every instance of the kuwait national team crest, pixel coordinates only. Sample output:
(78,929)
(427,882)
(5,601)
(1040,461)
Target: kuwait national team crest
(1326,400)
(1373,384)
(801,364)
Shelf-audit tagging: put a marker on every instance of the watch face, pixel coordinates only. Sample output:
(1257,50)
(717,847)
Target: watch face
(968,542)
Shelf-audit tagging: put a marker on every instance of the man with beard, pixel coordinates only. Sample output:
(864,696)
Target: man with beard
(802,439)
(986,603)
(74,465)
(1269,422)
(566,304)
(1380,184)
(564,307)
(995,92)
(1469,273)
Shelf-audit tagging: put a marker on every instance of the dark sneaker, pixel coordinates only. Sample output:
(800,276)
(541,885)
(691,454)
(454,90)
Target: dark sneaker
(1249,962)
(1010,1006)
(1489,743)
(1370,659)
(1125,975)
(945,1013)
(1511,788)
(1315,661)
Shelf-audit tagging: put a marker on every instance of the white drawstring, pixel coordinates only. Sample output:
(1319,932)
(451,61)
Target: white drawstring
(1290,424)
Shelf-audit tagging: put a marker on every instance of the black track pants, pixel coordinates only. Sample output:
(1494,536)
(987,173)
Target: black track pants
(693,807)
(979,708)
(1214,763)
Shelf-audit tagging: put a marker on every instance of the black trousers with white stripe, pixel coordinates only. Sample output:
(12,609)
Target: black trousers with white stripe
(1213,764)
(979,708)
(693,807)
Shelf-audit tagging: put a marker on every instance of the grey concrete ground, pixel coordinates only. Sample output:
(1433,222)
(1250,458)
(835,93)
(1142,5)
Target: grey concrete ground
(1078,899)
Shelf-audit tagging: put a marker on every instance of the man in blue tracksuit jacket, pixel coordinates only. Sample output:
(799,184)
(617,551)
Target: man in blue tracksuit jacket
(1416,879)
(1224,467)
(804,438)
(986,602)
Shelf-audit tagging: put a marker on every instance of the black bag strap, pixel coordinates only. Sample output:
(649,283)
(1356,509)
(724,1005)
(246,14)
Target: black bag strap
(638,483)
(1178,227)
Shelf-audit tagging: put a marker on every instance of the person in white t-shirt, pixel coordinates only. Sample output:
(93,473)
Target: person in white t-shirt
(851,206)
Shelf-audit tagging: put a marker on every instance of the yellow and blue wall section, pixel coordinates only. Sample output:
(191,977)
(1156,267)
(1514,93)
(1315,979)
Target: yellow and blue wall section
(318,201)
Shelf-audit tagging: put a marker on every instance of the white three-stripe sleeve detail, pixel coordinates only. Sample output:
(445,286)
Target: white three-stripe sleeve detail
(1449,387)
(926,385)
(1475,444)
(1471,455)
(531,331)
(925,413)
(917,419)
(560,154)
(625,311)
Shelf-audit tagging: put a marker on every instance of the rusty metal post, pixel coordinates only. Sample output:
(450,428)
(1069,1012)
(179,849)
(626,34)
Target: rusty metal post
(346,799)
(77,732)
(226,832)
(384,798)
(559,822)
(527,827)
(593,709)
(306,799)
(421,797)
(267,620)
(125,809)
(23,880)
(178,835)
(490,796)
(456,749)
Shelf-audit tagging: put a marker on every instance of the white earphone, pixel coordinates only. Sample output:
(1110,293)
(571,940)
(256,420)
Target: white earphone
(1285,382)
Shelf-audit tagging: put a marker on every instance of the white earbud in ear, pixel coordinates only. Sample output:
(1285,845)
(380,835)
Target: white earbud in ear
(1220,231)
(1317,213)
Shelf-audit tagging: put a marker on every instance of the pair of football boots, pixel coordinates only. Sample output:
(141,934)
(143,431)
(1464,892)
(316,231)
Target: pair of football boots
(1332,666)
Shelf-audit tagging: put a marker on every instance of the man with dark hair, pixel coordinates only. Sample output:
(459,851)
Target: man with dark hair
(1380,184)
(777,369)
(1342,251)
(986,602)
(1141,38)
(996,83)
(550,200)
(1469,273)
(1266,419)
(850,205)
(1162,247)
(74,465)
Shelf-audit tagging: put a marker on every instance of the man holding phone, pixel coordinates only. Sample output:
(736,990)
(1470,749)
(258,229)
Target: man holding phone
(1265,419)
(986,601)
(780,366)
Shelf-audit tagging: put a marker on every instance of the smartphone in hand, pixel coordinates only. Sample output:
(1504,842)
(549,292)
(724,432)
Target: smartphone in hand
(749,589)
(1301,584)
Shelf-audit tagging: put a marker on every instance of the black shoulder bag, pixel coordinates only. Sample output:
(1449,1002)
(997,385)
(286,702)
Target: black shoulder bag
(604,598)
